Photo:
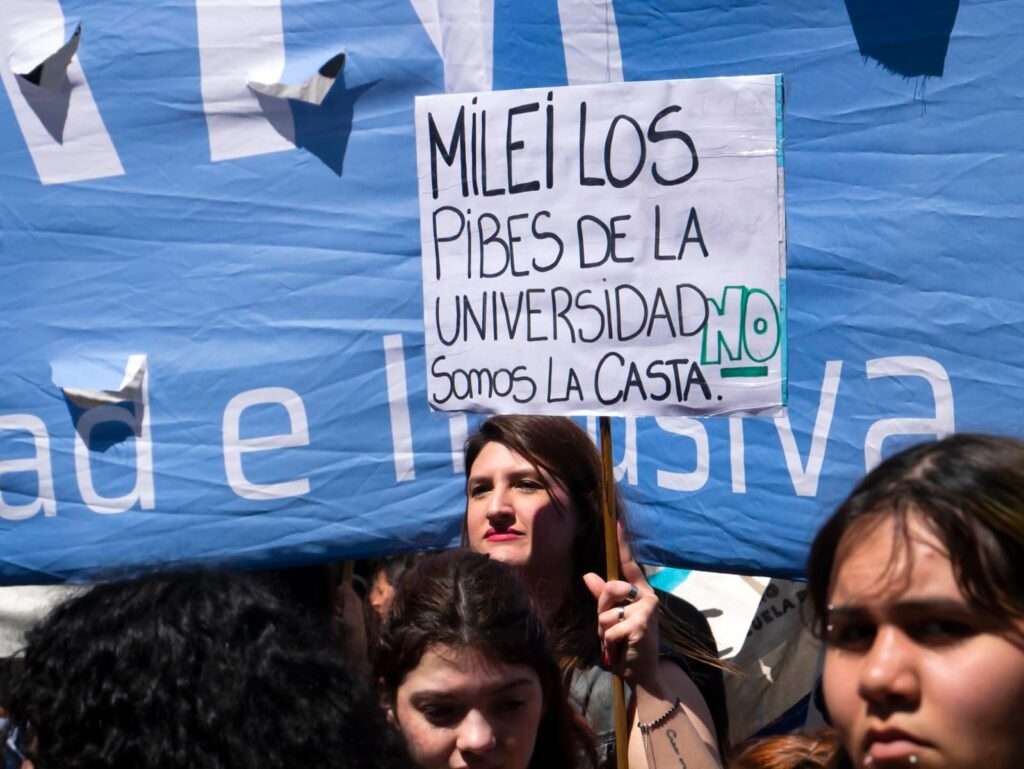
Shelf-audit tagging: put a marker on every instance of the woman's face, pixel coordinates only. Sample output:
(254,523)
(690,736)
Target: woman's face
(457,709)
(512,517)
(914,675)
(382,593)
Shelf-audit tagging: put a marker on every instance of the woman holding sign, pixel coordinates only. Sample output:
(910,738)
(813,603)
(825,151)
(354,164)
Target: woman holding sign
(533,501)
(917,583)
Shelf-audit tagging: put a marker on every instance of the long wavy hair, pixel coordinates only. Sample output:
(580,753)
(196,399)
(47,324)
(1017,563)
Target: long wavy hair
(464,600)
(202,670)
(969,490)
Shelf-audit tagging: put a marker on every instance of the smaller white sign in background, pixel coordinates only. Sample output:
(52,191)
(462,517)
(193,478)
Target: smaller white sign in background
(613,249)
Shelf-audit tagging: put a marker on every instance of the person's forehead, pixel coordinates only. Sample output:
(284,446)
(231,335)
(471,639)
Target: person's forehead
(499,456)
(444,668)
(879,563)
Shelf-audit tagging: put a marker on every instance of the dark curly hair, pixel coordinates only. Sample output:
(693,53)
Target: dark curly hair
(205,670)
(464,600)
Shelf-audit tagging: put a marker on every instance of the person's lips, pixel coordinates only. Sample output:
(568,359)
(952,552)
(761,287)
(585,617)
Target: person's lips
(892,745)
(502,535)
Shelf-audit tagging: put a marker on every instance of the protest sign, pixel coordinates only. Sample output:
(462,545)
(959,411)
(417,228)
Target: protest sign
(613,248)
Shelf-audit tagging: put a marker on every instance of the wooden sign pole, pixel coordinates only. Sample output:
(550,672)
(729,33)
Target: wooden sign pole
(611,552)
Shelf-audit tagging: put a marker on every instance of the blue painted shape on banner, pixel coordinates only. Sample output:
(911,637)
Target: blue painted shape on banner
(262,290)
(324,129)
(106,434)
(909,38)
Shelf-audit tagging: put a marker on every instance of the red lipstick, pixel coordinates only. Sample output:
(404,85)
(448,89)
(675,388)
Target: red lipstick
(502,535)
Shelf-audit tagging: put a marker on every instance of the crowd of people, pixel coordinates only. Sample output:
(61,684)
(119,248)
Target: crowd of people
(503,653)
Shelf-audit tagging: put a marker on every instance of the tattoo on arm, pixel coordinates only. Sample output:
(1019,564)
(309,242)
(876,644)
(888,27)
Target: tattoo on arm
(672,734)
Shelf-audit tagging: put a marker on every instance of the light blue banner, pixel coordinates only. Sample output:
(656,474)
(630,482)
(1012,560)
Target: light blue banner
(263,255)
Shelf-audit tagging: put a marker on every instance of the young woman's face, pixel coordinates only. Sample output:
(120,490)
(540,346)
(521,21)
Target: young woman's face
(914,675)
(382,592)
(512,517)
(457,709)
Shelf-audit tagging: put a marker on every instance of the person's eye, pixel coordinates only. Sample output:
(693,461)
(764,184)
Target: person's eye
(440,715)
(512,705)
(529,484)
(478,490)
(938,631)
(850,636)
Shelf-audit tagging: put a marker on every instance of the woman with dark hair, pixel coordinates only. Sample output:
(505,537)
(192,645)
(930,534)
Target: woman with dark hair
(917,583)
(200,670)
(467,675)
(383,581)
(534,493)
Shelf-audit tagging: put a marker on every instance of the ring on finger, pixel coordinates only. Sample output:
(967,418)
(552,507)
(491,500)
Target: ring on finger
(622,613)
(634,591)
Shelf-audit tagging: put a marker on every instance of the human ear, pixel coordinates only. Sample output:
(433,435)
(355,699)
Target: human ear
(387,705)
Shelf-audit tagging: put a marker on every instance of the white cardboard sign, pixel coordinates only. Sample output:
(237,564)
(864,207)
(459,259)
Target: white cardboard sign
(612,249)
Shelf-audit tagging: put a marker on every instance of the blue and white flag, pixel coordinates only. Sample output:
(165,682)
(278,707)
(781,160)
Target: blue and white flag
(211,314)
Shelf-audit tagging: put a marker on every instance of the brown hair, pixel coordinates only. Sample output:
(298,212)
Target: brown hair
(462,599)
(819,750)
(969,490)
